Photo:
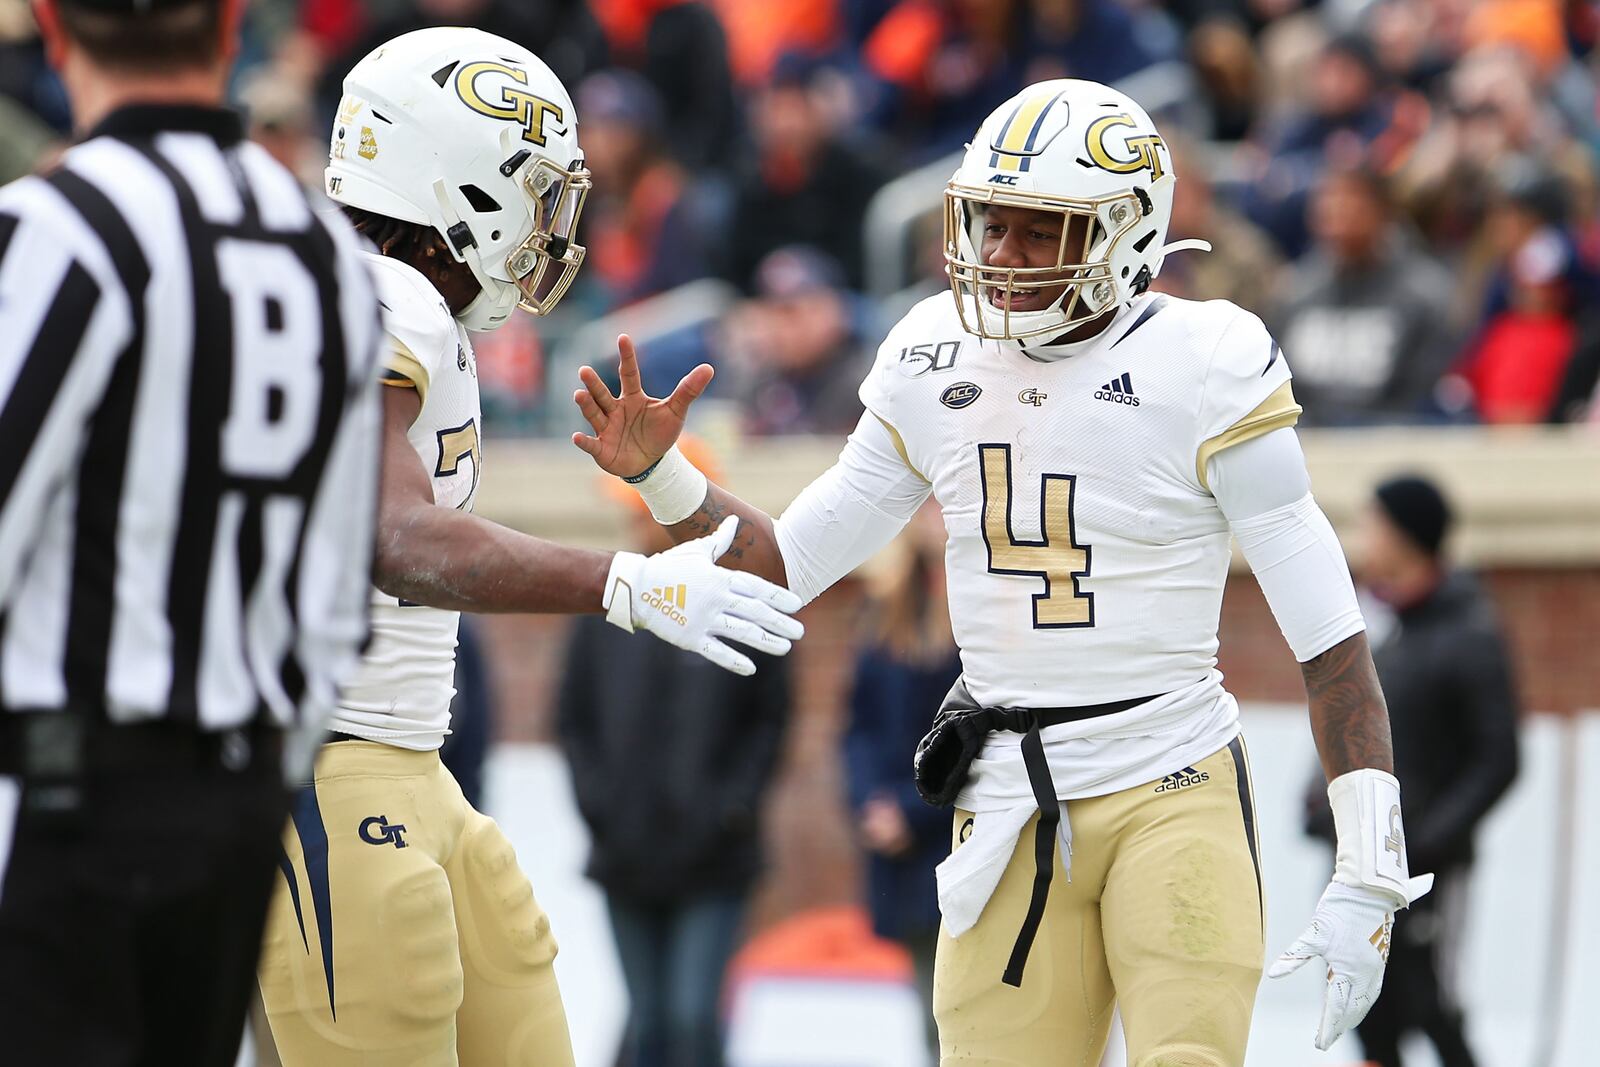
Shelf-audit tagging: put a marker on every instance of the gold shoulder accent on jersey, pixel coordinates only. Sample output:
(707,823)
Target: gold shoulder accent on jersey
(399,359)
(900,447)
(1274,413)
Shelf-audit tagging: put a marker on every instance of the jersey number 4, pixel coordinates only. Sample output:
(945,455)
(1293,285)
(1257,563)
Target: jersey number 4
(1056,557)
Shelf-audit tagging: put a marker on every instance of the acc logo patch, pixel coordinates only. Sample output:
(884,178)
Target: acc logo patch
(1145,156)
(960,395)
(494,89)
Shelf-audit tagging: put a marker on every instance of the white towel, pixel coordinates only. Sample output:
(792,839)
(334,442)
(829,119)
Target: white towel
(968,876)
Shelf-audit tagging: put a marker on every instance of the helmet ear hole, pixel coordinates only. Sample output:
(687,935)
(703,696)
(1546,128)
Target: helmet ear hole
(480,200)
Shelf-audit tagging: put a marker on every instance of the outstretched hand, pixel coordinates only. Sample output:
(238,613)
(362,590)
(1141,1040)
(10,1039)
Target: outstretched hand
(634,430)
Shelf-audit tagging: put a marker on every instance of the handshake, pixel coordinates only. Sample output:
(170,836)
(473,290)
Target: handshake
(680,595)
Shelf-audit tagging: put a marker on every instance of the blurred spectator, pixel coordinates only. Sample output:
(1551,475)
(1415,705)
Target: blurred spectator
(1494,113)
(280,121)
(561,32)
(1242,265)
(760,33)
(1099,40)
(1414,41)
(943,65)
(1446,675)
(678,848)
(1539,305)
(26,78)
(798,351)
(804,184)
(1363,322)
(907,665)
(1226,66)
(642,225)
(1349,111)
(680,48)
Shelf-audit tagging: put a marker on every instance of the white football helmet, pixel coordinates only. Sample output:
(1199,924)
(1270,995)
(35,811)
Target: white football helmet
(1081,149)
(472,135)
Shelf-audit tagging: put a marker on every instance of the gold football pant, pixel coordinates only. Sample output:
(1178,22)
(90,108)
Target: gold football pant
(1162,918)
(403,933)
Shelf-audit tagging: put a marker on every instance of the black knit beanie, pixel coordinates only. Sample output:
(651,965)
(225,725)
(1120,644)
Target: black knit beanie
(1417,507)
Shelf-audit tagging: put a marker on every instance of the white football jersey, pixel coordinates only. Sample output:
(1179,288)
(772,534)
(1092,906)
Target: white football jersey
(1086,555)
(401,694)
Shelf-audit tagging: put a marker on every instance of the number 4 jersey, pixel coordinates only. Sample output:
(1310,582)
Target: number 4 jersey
(1086,554)
(401,694)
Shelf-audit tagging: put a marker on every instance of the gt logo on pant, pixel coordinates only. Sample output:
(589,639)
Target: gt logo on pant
(385,833)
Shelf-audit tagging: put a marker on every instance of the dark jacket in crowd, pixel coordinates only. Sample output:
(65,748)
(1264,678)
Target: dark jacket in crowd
(891,707)
(1446,676)
(670,758)
(823,208)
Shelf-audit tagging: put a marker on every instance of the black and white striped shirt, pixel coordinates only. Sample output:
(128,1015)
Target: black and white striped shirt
(189,416)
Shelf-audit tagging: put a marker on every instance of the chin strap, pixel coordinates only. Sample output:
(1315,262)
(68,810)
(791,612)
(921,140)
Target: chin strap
(1186,245)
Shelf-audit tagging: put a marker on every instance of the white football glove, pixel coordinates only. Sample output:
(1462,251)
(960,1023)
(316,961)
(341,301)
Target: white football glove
(1354,921)
(684,598)
(1350,930)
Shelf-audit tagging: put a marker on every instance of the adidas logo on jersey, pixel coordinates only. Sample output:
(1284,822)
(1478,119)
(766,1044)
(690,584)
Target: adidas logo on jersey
(1186,777)
(1118,391)
(668,600)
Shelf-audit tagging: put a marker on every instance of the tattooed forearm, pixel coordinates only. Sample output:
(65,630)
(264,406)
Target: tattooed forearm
(1348,717)
(755,546)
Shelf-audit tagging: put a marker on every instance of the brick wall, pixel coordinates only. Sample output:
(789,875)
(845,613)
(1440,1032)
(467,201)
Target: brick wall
(1552,616)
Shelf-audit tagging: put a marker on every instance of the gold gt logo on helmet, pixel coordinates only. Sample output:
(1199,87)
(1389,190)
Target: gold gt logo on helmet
(1144,149)
(510,104)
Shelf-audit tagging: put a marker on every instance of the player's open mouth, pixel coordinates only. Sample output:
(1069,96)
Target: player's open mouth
(1031,300)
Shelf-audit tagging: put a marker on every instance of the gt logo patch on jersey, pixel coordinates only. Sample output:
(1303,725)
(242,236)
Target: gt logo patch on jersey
(1145,154)
(492,88)
(960,395)
(917,360)
(1033,397)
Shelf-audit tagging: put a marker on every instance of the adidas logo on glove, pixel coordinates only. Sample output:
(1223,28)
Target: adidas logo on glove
(668,600)
(1186,777)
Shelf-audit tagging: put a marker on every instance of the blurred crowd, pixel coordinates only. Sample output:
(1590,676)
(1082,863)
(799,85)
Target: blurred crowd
(1404,189)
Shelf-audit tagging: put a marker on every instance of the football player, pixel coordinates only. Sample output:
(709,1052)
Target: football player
(1092,445)
(404,931)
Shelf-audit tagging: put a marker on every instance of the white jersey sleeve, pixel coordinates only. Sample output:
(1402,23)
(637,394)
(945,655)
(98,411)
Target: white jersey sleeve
(849,513)
(422,335)
(1245,392)
(1262,488)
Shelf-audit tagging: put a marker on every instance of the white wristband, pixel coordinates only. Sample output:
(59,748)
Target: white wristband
(1372,845)
(674,489)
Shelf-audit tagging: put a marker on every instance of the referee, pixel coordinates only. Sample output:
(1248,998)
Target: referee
(188,415)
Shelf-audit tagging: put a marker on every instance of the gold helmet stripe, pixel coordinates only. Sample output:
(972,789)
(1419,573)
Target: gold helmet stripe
(1013,148)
